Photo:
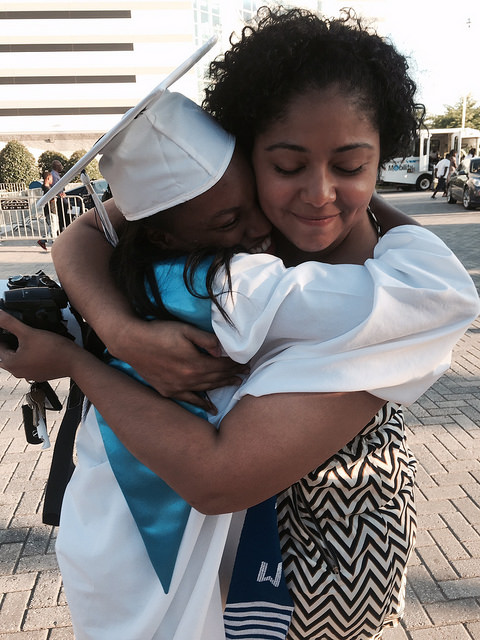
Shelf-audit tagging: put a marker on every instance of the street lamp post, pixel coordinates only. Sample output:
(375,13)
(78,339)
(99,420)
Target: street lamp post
(464,106)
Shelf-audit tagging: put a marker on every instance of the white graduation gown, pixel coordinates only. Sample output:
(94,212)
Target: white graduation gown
(412,302)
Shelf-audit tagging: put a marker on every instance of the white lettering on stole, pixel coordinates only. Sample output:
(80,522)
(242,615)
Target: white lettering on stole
(262,574)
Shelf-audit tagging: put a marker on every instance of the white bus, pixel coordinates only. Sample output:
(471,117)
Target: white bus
(431,145)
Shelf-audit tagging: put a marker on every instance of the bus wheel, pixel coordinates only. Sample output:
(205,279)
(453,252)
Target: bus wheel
(423,183)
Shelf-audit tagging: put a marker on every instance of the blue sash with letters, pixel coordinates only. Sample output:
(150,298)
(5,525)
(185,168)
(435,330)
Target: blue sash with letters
(259,604)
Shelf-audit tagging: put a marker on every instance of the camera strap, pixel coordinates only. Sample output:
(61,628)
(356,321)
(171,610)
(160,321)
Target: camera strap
(51,399)
(62,465)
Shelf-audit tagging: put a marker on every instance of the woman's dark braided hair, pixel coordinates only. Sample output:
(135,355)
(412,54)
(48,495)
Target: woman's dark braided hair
(284,53)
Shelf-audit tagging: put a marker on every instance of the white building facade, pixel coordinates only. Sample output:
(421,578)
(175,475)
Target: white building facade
(70,69)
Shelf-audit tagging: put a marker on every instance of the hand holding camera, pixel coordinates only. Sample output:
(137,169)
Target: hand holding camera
(37,301)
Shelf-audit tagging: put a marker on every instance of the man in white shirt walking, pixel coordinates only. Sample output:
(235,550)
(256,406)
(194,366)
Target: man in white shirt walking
(441,172)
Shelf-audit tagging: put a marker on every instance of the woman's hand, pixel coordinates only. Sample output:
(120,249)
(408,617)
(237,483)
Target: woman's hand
(40,356)
(176,359)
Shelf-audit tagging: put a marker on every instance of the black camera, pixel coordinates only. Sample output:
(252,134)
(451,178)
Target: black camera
(37,301)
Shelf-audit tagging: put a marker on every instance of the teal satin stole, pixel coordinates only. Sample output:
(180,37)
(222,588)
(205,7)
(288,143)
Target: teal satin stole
(159,512)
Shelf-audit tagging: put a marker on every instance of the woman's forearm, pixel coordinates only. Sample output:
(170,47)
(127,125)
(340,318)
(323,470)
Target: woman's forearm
(81,257)
(264,444)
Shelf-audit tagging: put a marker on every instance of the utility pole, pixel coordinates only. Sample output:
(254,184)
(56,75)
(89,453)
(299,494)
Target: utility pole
(464,108)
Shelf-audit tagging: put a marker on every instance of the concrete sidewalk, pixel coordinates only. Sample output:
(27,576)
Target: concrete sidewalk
(444,433)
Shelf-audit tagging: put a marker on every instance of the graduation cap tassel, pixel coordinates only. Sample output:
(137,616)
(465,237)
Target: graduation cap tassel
(108,230)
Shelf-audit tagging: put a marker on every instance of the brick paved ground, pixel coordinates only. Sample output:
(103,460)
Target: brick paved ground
(444,576)
(32,605)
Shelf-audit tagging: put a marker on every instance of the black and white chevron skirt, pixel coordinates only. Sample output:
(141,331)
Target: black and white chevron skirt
(347,531)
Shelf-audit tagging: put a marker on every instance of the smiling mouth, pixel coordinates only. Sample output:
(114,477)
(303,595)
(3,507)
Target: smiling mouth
(263,247)
(320,220)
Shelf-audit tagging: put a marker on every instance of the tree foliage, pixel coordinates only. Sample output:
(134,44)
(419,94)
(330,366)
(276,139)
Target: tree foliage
(92,168)
(46,158)
(17,164)
(453,116)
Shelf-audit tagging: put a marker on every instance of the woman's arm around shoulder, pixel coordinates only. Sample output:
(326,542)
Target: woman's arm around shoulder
(264,445)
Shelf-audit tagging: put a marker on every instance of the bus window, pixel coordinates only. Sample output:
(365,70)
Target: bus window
(434,145)
(415,149)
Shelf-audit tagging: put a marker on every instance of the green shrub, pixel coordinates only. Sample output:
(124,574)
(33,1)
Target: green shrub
(17,164)
(92,168)
(46,158)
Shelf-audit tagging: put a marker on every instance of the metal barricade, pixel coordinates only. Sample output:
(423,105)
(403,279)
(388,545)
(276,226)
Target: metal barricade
(19,217)
(18,214)
(63,211)
(12,187)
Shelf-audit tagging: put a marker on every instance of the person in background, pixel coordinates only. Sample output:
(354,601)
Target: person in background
(46,185)
(57,169)
(451,169)
(441,172)
(464,164)
(60,206)
(470,154)
(61,201)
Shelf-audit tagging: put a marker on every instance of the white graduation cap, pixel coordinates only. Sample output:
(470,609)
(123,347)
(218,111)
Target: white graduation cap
(127,118)
(171,153)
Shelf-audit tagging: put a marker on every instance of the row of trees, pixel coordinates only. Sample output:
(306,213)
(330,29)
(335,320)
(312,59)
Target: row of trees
(17,164)
(452,117)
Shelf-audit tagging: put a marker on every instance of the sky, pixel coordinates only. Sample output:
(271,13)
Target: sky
(443,51)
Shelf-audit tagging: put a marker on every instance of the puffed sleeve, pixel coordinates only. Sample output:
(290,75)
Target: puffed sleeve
(387,327)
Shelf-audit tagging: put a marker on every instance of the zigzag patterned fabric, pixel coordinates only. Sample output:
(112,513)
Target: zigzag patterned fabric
(347,531)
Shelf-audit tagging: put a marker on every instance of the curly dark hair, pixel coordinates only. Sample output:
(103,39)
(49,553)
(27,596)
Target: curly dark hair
(284,53)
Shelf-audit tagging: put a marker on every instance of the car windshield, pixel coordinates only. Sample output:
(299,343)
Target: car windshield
(475,165)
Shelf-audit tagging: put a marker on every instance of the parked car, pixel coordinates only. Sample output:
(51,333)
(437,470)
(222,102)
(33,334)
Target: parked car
(464,184)
(100,186)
